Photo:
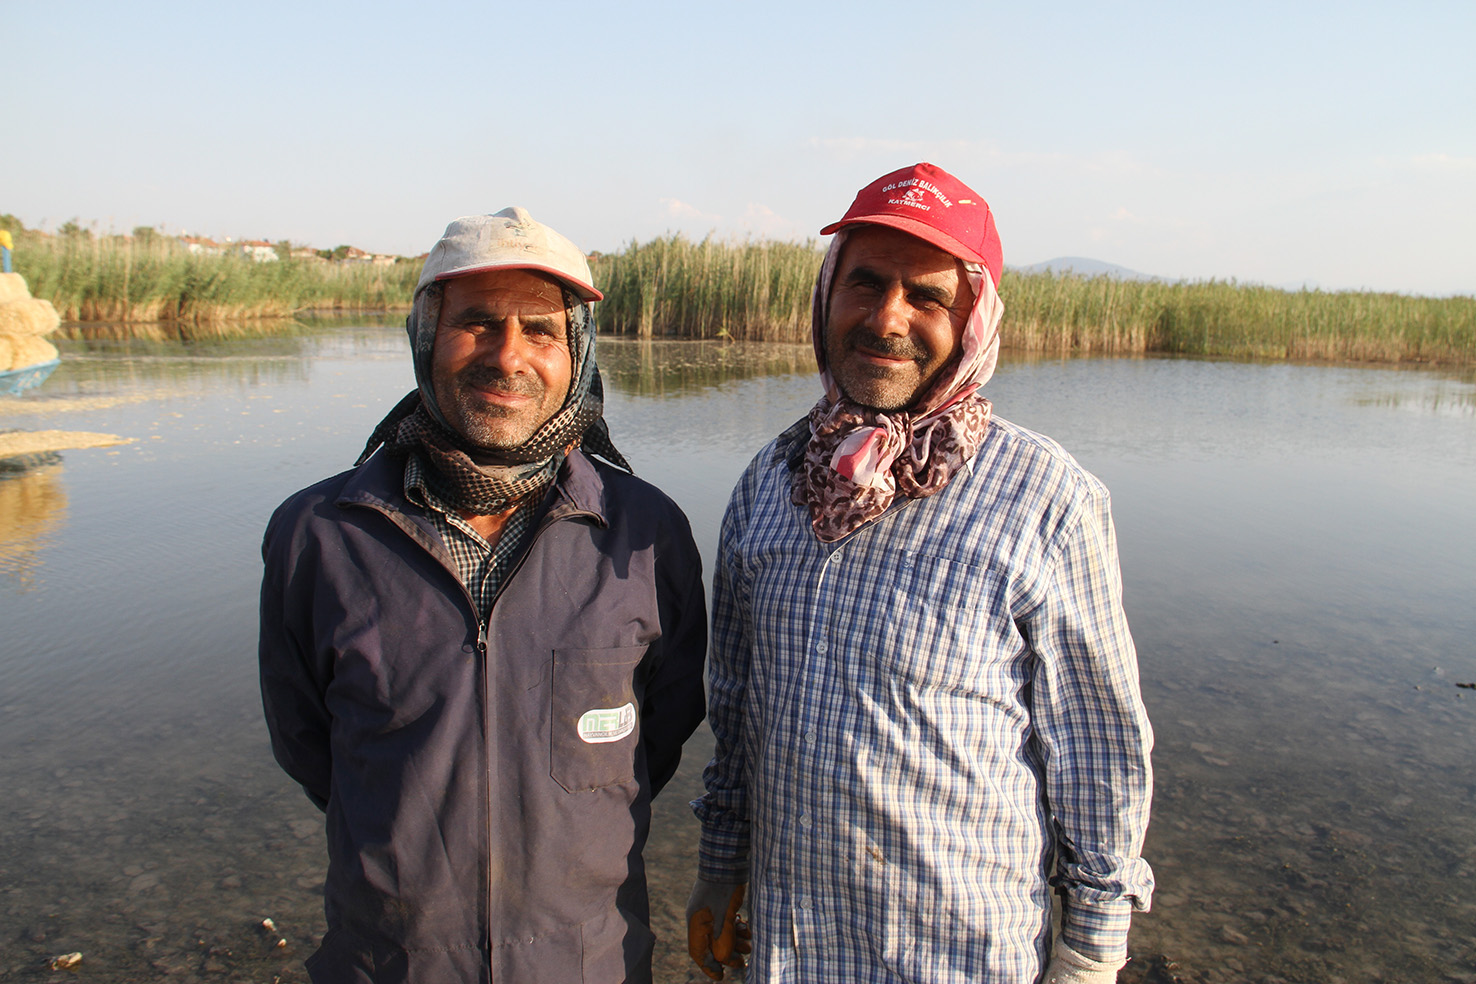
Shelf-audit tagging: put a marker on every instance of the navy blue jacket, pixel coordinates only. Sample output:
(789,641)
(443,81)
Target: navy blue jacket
(487,787)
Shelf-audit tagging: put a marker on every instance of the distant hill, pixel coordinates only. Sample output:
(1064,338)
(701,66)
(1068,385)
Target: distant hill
(1084,266)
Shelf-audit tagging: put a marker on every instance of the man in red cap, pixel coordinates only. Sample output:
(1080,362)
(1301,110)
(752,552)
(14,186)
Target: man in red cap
(922,685)
(481,648)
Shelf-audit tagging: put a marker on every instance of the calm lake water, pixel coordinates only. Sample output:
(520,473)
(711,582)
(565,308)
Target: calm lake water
(1299,552)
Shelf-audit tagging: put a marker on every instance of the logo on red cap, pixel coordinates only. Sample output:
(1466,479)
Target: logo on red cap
(913,197)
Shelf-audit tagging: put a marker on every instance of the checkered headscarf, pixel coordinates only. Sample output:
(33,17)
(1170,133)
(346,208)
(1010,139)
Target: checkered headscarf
(479,479)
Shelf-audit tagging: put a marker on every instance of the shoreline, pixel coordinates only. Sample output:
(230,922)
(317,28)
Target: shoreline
(671,287)
(264,325)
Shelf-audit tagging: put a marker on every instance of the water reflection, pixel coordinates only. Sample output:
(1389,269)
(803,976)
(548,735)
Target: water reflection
(1299,551)
(140,364)
(657,368)
(1455,401)
(33,508)
(208,333)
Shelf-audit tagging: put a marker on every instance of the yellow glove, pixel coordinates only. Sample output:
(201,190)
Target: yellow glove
(714,946)
(5,239)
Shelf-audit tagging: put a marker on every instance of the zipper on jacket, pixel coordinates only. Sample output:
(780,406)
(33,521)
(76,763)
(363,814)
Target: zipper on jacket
(487,769)
(484,627)
(549,520)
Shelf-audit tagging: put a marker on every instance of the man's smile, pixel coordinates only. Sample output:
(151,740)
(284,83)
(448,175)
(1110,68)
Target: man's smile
(885,350)
(495,388)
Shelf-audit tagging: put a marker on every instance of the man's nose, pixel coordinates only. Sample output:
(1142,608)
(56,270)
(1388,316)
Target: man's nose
(889,315)
(505,348)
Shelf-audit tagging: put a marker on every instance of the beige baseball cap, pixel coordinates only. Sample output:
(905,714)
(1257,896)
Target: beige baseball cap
(508,240)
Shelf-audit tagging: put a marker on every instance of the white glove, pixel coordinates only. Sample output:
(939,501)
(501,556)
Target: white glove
(716,936)
(1069,967)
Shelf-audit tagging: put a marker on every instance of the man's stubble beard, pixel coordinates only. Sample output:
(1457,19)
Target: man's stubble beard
(877,387)
(490,425)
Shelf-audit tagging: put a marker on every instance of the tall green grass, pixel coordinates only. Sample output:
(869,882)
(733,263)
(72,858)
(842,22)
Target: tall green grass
(757,291)
(1055,313)
(118,279)
(761,291)
(673,287)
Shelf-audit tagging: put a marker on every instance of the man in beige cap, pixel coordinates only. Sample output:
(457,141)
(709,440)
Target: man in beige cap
(482,647)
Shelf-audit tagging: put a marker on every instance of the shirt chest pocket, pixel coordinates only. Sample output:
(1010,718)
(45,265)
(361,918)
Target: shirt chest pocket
(596,717)
(949,627)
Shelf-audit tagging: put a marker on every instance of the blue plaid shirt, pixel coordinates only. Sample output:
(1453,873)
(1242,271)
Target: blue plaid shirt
(921,728)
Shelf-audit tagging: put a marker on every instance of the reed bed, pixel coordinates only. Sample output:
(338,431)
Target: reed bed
(119,279)
(761,291)
(672,287)
(1063,313)
(749,291)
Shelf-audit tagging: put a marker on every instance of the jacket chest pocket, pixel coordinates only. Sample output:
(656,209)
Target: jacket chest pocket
(596,717)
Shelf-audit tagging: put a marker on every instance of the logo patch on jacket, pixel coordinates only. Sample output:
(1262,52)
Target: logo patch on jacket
(605,724)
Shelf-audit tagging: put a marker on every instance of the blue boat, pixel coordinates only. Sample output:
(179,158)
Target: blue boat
(14,382)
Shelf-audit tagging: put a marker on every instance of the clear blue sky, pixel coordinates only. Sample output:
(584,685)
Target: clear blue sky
(1281,143)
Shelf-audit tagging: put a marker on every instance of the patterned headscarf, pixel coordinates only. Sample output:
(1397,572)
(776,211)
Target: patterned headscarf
(483,480)
(859,459)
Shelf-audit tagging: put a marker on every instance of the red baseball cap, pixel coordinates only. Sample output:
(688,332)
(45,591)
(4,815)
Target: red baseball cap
(927,202)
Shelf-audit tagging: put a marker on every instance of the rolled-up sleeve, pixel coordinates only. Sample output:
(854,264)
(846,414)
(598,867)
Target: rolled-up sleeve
(1094,735)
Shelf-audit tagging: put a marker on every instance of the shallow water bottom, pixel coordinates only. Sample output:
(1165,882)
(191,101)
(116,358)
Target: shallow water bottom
(1297,547)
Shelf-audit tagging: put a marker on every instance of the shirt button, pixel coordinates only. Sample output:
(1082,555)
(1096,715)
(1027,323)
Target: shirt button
(821,647)
(805,903)
(836,557)
(810,737)
(805,820)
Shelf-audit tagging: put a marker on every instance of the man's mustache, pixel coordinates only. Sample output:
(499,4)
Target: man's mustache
(890,346)
(488,378)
